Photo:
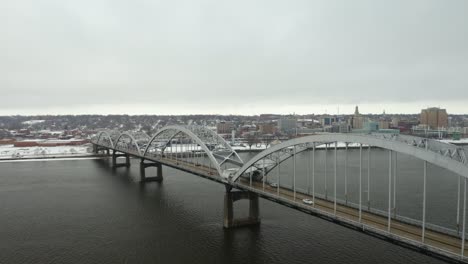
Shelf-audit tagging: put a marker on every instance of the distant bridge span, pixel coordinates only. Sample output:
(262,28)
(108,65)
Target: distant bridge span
(200,151)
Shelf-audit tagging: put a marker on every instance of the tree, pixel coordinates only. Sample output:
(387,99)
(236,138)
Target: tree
(251,139)
(267,138)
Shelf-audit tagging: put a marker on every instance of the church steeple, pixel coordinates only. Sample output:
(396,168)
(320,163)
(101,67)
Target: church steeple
(356,111)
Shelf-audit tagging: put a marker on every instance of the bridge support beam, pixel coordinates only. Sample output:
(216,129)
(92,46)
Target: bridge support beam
(116,155)
(159,172)
(254,209)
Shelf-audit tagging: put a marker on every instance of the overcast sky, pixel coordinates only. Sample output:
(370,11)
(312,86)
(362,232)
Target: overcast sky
(232,57)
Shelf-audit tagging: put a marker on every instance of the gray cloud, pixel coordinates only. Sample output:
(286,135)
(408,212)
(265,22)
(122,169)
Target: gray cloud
(231,54)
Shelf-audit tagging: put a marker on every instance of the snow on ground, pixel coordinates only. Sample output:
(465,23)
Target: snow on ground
(49,159)
(32,122)
(9,151)
(460,141)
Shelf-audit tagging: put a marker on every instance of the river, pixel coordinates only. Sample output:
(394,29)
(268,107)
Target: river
(83,211)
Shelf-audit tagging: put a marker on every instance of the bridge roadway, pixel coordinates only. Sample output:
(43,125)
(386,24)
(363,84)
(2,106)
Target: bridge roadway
(400,233)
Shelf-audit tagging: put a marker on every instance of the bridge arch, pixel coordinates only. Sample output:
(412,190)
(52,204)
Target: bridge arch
(215,147)
(444,155)
(107,136)
(135,139)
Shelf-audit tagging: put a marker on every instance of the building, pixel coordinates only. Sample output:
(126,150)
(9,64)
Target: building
(357,121)
(7,141)
(267,128)
(287,125)
(434,117)
(344,127)
(384,124)
(340,127)
(395,122)
(49,143)
(370,126)
(405,126)
(328,120)
(224,127)
(373,127)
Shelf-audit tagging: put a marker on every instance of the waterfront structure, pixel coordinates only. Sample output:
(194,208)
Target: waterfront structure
(202,152)
(434,118)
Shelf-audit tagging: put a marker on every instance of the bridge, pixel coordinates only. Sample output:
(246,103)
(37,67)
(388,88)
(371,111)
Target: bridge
(200,151)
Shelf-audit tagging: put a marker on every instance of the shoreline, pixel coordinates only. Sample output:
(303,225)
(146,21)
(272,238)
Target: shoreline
(52,157)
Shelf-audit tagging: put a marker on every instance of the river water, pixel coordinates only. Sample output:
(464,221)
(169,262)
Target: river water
(83,211)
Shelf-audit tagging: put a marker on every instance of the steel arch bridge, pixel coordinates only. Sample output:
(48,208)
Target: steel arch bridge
(200,151)
(177,143)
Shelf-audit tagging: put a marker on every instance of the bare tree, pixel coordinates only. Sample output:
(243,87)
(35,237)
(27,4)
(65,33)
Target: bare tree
(267,139)
(251,139)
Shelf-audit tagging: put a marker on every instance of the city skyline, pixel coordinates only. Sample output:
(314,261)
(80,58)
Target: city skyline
(238,58)
(411,109)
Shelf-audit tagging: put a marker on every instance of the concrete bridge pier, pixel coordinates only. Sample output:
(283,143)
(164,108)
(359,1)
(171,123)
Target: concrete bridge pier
(144,165)
(254,209)
(116,155)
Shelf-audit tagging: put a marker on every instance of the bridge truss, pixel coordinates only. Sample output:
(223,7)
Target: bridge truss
(188,144)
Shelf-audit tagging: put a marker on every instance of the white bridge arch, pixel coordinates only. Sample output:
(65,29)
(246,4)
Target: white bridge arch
(215,147)
(444,155)
(137,140)
(106,138)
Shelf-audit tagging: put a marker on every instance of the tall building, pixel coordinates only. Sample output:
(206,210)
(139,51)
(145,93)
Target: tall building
(434,117)
(357,119)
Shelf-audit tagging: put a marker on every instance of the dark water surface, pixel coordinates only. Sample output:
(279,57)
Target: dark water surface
(82,211)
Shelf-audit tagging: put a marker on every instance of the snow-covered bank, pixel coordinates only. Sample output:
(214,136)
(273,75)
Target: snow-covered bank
(461,141)
(77,157)
(11,152)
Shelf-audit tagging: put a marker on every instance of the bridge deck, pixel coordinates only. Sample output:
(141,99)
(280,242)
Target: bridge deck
(411,235)
(439,241)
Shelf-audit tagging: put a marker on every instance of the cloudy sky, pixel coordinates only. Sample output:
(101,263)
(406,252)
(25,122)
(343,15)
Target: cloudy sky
(232,57)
